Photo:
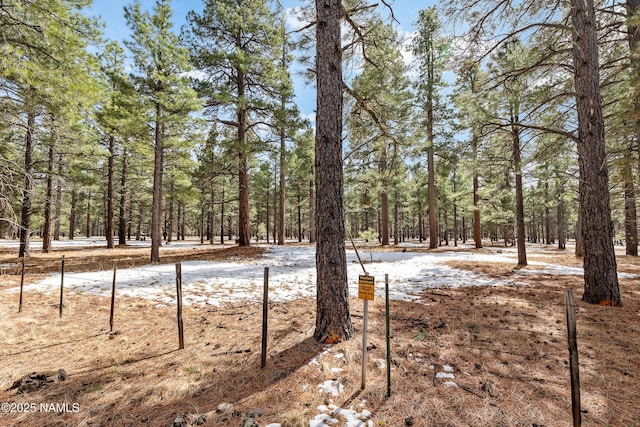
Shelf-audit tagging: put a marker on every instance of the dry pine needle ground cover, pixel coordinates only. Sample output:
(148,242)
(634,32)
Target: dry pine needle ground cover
(507,348)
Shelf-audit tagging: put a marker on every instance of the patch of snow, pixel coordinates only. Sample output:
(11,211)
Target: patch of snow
(445,375)
(339,355)
(292,275)
(273,425)
(336,370)
(450,384)
(322,420)
(447,368)
(332,387)
(333,414)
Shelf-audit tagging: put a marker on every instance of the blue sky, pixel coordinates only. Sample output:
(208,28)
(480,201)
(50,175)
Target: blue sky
(112,14)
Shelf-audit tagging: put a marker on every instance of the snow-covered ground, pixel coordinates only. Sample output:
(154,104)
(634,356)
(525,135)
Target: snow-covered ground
(292,275)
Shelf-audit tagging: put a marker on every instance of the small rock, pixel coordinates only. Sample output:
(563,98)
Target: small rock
(250,422)
(179,422)
(224,408)
(62,375)
(201,419)
(408,421)
(255,413)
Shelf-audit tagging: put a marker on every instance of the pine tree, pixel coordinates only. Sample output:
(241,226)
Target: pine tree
(162,65)
(235,46)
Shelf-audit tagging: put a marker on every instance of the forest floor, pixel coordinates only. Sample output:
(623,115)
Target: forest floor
(491,355)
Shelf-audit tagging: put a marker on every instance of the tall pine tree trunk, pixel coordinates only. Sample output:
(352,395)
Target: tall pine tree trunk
(122,213)
(171,219)
(73,214)
(281,188)
(433,225)
(27,190)
(396,234)
(244,232)
(562,224)
(333,322)
(633,37)
(87,225)
(110,196)
(600,269)
(211,218)
(48,199)
(517,164)
(630,214)
(56,220)
(158,166)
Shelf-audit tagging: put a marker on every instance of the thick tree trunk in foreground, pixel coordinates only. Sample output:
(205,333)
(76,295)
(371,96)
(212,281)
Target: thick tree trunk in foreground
(333,322)
(600,274)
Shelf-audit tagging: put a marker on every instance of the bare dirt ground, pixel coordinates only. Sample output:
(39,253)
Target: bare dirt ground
(507,348)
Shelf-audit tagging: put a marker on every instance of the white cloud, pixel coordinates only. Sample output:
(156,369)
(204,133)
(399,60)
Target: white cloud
(311,117)
(295,18)
(406,49)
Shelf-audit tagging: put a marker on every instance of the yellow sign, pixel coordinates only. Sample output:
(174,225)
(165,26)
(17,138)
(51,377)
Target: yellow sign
(366,287)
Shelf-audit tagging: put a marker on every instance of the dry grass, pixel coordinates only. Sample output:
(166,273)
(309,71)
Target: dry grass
(507,347)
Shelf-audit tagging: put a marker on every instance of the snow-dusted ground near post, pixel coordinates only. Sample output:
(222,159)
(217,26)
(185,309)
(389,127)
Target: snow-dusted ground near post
(292,275)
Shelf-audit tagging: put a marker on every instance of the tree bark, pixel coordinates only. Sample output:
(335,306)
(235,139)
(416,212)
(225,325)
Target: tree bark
(281,188)
(244,232)
(211,218)
(630,214)
(299,216)
(631,222)
(433,225)
(27,191)
(73,214)
(158,170)
(56,221)
(48,199)
(517,164)
(87,225)
(122,214)
(171,219)
(477,229)
(222,217)
(562,226)
(110,197)
(333,322)
(396,224)
(579,239)
(600,269)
